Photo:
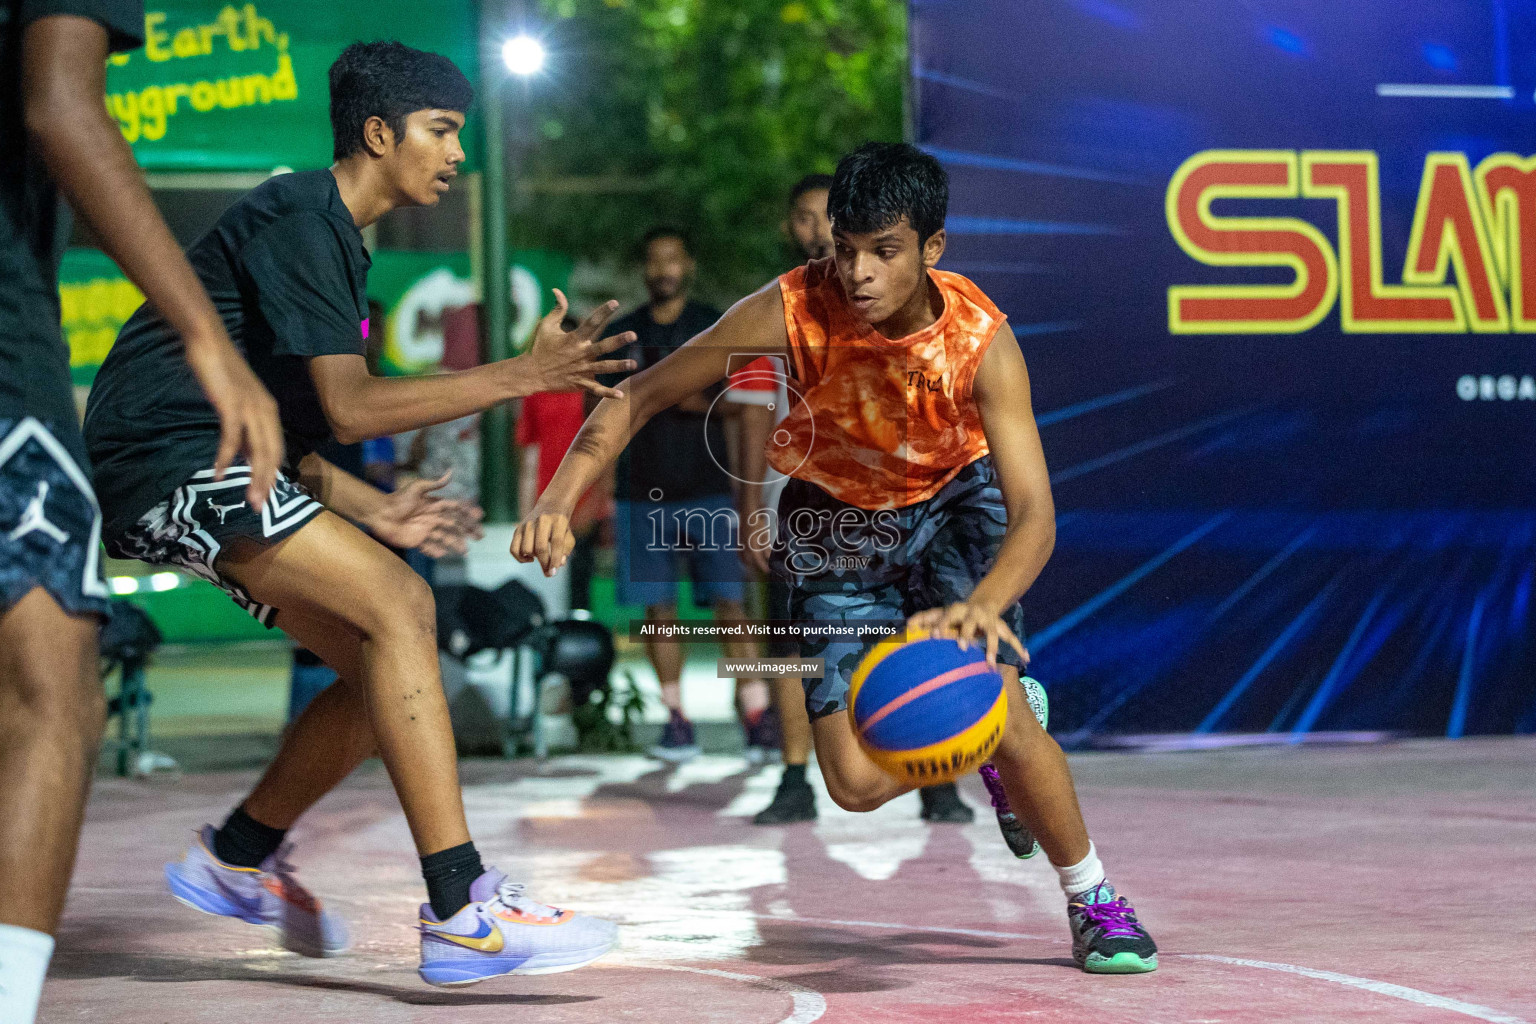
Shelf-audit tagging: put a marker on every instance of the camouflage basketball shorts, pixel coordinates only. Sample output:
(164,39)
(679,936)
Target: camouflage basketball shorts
(853,567)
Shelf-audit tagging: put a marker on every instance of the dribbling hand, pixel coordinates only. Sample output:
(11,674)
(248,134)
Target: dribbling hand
(964,621)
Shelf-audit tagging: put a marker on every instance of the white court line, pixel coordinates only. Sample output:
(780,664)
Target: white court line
(1381,988)
(976,932)
(809,1005)
(1447,92)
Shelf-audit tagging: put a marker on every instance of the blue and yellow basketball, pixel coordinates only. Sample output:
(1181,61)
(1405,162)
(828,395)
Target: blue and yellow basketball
(927,711)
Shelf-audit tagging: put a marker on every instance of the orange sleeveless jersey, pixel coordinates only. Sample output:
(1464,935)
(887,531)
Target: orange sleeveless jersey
(883,423)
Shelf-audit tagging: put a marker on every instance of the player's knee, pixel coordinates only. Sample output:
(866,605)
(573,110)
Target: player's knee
(405,608)
(858,796)
(59,699)
(1021,735)
(417,605)
(859,800)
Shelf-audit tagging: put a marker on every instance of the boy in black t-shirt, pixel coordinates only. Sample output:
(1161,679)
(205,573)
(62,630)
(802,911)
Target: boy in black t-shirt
(56,137)
(287,269)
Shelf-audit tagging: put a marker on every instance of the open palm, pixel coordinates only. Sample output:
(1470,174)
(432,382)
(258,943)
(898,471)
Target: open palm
(416,517)
(561,360)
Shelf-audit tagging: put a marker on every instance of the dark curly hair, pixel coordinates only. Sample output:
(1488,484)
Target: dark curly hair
(389,80)
(881,182)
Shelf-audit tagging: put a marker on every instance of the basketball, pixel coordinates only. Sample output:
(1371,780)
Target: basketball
(926,710)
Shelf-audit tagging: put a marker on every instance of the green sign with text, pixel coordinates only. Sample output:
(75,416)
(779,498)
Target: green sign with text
(243,86)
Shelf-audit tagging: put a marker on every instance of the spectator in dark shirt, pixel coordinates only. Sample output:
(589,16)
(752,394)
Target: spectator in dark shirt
(674,504)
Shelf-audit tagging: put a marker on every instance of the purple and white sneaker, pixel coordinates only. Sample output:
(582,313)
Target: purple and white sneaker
(501,931)
(1106,937)
(268,895)
(1019,839)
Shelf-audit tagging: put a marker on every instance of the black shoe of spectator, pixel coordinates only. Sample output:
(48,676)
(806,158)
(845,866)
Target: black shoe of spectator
(792,802)
(943,804)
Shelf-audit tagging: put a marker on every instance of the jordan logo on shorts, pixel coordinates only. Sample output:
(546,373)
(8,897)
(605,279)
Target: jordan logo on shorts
(224,510)
(34,519)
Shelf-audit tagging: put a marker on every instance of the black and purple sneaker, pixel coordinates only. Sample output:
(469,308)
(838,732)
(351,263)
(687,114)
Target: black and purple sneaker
(1019,839)
(1106,937)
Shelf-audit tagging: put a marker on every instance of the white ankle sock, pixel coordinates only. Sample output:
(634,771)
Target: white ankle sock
(24,956)
(1083,875)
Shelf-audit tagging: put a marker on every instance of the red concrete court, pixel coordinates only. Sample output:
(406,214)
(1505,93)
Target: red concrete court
(1387,884)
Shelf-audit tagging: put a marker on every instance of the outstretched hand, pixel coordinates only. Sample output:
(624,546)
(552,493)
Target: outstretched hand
(415,517)
(964,621)
(561,360)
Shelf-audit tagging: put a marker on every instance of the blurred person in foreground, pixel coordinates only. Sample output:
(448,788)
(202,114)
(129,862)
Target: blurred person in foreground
(57,137)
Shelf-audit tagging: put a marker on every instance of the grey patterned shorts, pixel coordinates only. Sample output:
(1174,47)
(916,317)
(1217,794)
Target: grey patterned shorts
(191,528)
(848,565)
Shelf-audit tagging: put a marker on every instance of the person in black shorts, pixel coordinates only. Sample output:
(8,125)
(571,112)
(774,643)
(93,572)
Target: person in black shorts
(287,269)
(56,136)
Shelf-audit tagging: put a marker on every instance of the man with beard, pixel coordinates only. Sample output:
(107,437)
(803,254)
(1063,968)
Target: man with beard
(673,494)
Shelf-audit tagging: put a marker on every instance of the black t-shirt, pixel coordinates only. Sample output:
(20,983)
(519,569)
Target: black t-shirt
(34,361)
(288,273)
(671,453)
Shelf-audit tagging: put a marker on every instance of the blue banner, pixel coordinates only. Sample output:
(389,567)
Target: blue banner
(1273,267)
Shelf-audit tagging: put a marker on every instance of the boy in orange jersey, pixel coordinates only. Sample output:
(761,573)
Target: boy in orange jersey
(914,457)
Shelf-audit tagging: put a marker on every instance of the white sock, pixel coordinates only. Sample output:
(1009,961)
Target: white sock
(24,956)
(1082,876)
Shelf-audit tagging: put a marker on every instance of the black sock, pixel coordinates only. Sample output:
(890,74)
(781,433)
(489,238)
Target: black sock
(794,775)
(449,874)
(245,842)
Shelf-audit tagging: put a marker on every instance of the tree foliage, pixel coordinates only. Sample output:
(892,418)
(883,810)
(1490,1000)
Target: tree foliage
(701,114)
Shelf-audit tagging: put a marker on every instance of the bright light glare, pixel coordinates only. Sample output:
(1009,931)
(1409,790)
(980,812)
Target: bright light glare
(523,55)
(164,581)
(123,585)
